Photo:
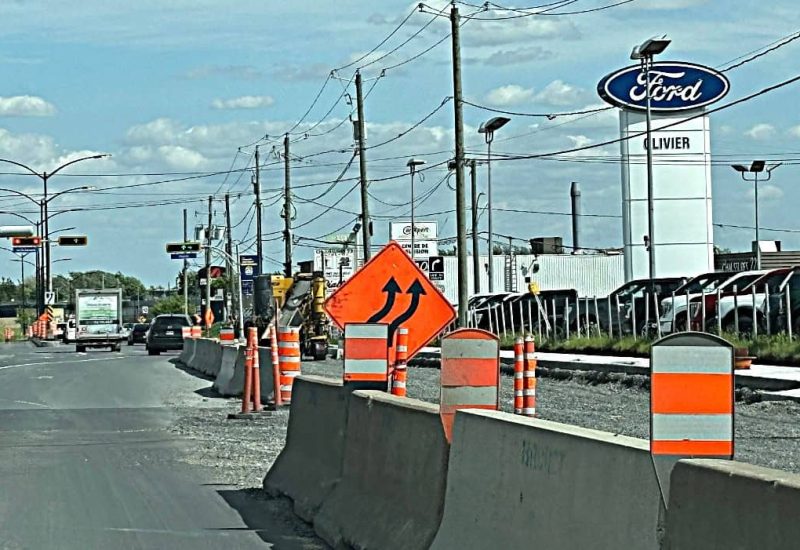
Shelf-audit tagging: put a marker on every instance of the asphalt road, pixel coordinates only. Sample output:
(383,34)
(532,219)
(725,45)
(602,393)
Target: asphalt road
(88,459)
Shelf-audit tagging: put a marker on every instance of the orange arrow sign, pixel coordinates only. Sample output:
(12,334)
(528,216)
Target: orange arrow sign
(391,289)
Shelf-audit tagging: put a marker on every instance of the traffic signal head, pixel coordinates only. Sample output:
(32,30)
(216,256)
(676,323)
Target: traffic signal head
(26,241)
(177,248)
(73,240)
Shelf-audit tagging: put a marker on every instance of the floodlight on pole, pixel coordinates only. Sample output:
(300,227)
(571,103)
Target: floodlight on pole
(644,53)
(412,167)
(756,167)
(488,128)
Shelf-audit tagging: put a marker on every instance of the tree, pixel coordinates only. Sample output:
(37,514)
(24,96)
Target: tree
(170,304)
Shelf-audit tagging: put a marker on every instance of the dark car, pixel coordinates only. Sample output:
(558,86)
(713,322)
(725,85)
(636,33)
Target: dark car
(166,333)
(630,309)
(138,334)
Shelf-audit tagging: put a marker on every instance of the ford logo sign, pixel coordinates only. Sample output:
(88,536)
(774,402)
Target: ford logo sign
(673,87)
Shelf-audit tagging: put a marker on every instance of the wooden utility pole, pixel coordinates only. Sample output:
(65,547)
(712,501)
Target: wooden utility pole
(461,213)
(362,164)
(287,210)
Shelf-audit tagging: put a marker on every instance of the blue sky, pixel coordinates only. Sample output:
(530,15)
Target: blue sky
(175,88)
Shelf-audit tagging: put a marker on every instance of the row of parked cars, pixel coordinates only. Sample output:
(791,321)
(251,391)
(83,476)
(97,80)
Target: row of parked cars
(759,301)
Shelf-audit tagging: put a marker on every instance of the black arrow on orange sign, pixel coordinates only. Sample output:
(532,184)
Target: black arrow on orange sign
(416,290)
(391,288)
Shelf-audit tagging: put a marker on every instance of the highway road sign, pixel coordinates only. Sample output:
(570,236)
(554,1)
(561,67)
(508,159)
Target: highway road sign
(73,240)
(49,298)
(145,310)
(183,256)
(436,268)
(176,248)
(392,289)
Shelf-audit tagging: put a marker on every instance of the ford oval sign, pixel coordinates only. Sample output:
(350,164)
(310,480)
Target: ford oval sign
(673,87)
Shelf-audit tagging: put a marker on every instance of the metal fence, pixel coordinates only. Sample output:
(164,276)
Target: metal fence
(755,312)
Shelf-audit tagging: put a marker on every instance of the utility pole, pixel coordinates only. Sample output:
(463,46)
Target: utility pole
(461,221)
(476,258)
(208,265)
(257,191)
(287,210)
(229,251)
(185,268)
(362,164)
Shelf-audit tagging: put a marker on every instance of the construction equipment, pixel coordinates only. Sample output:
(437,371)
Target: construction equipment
(298,301)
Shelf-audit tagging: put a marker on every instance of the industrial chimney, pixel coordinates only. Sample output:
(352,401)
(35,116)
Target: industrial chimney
(575,195)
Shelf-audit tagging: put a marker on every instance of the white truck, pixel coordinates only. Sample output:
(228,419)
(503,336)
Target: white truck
(98,319)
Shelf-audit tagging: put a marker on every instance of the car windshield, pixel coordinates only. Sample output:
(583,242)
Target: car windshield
(771,280)
(703,283)
(170,323)
(740,282)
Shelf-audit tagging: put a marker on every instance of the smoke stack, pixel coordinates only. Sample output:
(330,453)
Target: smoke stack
(575,195)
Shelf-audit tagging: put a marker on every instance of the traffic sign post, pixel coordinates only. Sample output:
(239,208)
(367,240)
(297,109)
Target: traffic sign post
(185,247)
(73,240)
(391,289)
(183,256)
(436,268)
(691,401)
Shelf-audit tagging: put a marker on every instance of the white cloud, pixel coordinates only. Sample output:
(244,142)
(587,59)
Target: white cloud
(794,131)
(243,72)
(559,94)
(244,102)
(517,56)
(761,131)
(25,105)
(512,94)
(767,192)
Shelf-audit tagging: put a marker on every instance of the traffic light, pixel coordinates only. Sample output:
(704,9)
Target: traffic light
(26,241)
(177,248)
(73,240)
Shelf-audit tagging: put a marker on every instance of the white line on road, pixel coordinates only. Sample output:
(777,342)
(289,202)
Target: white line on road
(21,402)
(59,362)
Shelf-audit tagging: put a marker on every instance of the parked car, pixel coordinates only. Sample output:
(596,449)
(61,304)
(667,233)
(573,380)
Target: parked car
(166,333)
(126,328)
(630,308)
(739,307)
(674,316)
(138,334)
(775,308)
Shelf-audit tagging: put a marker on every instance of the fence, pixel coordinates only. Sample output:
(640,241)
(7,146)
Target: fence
(752,312)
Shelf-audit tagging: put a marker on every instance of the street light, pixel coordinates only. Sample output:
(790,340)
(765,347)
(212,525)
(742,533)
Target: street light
(645,53)
(756,168)
(488,128)
(412,167)
(44,176)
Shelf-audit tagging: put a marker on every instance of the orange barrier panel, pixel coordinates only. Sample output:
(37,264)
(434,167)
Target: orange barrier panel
(519,368)
(366,355)
(691,401)
(470,373)
(226,334)
(288,360)
(400,374)
(186,333)
(197,331)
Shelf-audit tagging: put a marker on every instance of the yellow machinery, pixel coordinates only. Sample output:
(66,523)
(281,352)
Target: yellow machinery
(299,300)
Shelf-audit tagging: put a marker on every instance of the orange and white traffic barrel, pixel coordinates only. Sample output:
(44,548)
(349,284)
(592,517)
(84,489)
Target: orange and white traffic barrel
(288,360)
(519,369)
(197,331)
(272,334)
(400,375)
(529,379)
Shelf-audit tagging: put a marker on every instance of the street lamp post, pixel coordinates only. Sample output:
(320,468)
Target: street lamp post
(645,53)
(44,176)
(757,167)
(488,128)
(412,166)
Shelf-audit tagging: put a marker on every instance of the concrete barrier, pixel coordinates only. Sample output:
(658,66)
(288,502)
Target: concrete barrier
(187,352)
(230,376)
(207,356)
(391,491)
(720,504)
(517,482)
(310,464)
(227,382)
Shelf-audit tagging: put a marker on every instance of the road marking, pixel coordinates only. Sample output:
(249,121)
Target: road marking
(59,363)
(20,401)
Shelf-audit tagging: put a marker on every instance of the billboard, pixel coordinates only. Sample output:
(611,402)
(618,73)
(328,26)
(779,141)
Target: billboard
(426,235)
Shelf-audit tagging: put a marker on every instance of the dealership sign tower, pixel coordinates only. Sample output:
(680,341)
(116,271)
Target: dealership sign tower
(681,165)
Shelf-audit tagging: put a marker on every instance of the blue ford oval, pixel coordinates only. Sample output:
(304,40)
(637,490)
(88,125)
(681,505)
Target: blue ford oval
(674,86)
